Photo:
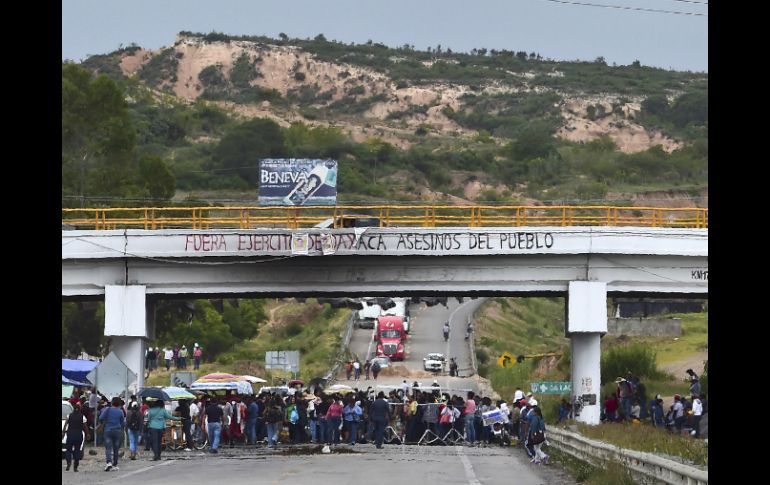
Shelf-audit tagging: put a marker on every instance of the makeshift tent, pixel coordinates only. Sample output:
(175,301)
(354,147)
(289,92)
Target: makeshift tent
(72,382)
(77,370)
(66,391)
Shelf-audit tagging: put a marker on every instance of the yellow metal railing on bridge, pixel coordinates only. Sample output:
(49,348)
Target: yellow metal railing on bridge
(153,218)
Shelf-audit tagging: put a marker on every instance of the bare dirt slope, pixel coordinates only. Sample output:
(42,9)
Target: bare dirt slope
(279,65)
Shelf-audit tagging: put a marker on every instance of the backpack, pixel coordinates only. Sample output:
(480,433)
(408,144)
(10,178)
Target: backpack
(134,419)
(376,367)
(293,416)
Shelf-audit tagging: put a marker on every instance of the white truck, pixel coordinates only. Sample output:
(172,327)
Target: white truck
(367,317)
(399,310)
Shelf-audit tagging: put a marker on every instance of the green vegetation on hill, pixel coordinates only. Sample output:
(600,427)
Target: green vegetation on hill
(111,124)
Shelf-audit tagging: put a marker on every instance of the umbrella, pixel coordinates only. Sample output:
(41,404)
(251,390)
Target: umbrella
(241,387)
(177,393)
(219,377)
(254,380)
(296,382)
(340,388)
(153,393)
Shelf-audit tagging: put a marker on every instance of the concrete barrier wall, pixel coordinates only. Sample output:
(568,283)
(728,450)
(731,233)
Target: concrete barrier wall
(645,327)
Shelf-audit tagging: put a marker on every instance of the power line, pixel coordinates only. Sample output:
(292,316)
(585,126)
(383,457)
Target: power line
(620,7)
(691,1)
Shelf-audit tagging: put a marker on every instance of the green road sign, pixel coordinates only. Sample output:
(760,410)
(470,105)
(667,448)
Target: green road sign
(551,387)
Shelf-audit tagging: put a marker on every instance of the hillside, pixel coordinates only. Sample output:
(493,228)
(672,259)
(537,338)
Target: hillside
(494,126)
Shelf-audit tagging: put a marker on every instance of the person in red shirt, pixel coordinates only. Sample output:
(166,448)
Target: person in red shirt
(611,407)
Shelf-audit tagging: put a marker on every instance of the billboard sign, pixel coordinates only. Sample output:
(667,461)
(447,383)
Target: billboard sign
(287,360)
(297,181)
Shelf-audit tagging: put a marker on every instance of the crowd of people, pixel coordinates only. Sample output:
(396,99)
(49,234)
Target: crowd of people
(358,416)
(629,403)
(177,356)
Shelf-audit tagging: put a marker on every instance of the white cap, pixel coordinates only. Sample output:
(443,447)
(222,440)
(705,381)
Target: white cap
(196,344)
(532,402)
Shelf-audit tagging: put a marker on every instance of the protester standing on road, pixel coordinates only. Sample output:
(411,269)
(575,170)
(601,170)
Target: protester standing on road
(357,370)
(379,415)
(352,413)
(252,412)
(157,416)
(537,424)
(197,354)
(375,370)
(183,410)
(274,419)
(367,367)
(76,430)
(348,369)
(468,415)
(168,354)
(214,416)
(114,423)
(334,420)
(134,421)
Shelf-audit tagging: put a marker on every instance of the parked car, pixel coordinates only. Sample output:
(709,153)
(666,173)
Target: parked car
(384,361)
(434,362)
(66,409)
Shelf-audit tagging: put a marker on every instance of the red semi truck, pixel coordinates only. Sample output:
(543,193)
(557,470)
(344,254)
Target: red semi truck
(390,337)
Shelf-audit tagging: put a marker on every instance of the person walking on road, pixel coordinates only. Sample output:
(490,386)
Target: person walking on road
(134,421)
(367,367)
(76,430)
(375,370)
(357,370)
(379,415)
(157,416)
(537,424)
(114,424)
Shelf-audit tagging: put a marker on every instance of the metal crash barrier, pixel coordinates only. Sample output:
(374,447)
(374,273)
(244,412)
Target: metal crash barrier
(645,466)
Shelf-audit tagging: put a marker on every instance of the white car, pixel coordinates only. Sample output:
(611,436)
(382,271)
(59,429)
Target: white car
(434,362)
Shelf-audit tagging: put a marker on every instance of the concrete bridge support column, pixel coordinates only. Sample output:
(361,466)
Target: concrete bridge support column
(586,323)
(125,320)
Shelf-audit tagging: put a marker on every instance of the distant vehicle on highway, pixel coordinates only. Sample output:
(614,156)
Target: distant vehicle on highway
(351,220)
(367,317)
(434,362)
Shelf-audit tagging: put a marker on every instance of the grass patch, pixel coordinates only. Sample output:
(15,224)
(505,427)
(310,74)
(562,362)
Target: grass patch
(644,437)
(694,339)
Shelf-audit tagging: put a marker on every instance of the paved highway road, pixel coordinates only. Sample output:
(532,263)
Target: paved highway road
(425,336)
(394,464)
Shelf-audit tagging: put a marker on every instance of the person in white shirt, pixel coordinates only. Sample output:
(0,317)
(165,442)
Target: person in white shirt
(405,388)
(357,370)
(697,412)
(678,413)
(168,355)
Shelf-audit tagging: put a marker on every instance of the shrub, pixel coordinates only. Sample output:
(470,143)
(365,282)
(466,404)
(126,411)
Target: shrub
(636,358)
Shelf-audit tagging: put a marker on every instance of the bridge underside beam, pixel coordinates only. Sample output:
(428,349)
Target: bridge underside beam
(386,274)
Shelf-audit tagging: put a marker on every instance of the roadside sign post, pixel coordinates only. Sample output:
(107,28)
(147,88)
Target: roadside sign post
(551,387)
(110,377)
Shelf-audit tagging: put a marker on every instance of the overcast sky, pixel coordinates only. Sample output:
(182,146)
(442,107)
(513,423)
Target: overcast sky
(560,31)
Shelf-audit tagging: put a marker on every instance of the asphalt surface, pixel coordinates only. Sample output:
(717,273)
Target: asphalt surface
(425,336)
(393,464)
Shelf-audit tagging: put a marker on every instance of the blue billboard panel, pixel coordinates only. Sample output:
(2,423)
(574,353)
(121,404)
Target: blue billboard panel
(297,181)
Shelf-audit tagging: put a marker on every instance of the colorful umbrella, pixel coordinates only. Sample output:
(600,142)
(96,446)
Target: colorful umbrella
(296,382)
(254,380)
(153,393)
(177,393)
(241,387)
(219,376)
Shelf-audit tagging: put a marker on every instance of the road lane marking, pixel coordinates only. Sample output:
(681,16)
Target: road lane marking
(121,477)
(469,474)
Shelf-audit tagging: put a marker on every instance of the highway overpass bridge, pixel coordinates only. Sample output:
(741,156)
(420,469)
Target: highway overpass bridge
(531,255)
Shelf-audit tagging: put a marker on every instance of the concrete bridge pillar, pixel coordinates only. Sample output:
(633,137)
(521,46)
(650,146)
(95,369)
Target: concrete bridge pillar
(586,323)
(125,320)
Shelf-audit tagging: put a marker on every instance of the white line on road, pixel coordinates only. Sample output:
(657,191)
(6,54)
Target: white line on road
(121,477)
(469,474)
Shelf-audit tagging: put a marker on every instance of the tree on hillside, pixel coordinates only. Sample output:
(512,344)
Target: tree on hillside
(156,178)
(690,108)
(656,105)
(98,137)
(244,145)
